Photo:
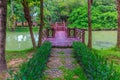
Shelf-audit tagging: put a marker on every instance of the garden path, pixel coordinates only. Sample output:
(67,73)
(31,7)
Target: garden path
(61,60)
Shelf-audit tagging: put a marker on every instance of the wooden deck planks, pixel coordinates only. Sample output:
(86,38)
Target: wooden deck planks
(61,40)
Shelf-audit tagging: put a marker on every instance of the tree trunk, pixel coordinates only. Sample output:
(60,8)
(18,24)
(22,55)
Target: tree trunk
(118,32)
(28,18)
(89,25)
(3,12)
(41,24)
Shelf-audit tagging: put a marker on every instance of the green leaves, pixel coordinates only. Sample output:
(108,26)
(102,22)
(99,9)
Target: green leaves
(95,66)
(33,69)
(103,16)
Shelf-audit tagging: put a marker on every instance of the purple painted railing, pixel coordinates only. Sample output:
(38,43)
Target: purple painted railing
(70,33)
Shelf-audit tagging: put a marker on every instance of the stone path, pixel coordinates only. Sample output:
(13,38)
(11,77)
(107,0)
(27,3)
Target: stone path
(60,59)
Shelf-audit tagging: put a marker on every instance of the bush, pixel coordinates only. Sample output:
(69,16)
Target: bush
(103,17)
(33,69)
(95,66)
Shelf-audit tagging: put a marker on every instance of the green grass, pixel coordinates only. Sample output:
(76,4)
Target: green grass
(111,55)
(18,54)
(61,53)
(75,74)
(33,69)
(23,29)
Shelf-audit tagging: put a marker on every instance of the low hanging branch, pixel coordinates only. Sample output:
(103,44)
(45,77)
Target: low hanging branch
(28,18)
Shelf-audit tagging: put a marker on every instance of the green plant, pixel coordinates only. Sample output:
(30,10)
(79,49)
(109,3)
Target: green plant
(33,69)
(95,66)
(103,17)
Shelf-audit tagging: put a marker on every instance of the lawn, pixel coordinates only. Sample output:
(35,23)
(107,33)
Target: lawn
(10,55)
(112,55)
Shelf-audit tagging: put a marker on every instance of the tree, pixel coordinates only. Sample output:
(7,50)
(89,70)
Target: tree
(89,25)
(28,18)
(41,23)
(3,12)
(118,32)
(103,16)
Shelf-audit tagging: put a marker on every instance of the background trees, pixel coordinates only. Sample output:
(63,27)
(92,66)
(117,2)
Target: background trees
(104,15)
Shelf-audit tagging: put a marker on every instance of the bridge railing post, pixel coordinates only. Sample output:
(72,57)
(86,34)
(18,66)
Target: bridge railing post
(50,32)
(83,35)
(80,35)
(71,32)
(44,37)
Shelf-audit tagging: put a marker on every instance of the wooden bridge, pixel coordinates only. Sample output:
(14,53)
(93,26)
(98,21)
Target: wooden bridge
(61,36)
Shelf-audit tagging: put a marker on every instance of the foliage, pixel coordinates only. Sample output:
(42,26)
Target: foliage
(76,72)
(95,66)
(14,13)
(54,10)
(32,70)
(104,15)
(111,55)
(78,18)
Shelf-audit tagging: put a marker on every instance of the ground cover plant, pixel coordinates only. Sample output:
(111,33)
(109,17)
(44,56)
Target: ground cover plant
(95,66)
(32,70)
(112,54)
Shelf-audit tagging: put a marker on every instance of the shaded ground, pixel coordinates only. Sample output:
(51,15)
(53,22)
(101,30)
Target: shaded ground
(17,59)
(63,66)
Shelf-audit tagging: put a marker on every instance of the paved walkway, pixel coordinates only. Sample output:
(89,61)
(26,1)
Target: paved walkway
(61,61)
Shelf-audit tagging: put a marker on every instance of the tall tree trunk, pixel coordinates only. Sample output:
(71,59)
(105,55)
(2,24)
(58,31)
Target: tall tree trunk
(3,12)
(28,18)
(89,25)
(118,32)
(41,23)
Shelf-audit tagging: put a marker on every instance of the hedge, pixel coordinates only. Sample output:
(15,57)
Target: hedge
(95,66)
(33,69)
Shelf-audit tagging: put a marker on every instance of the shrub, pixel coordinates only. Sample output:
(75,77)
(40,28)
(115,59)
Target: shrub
(33,69)
(95,66)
